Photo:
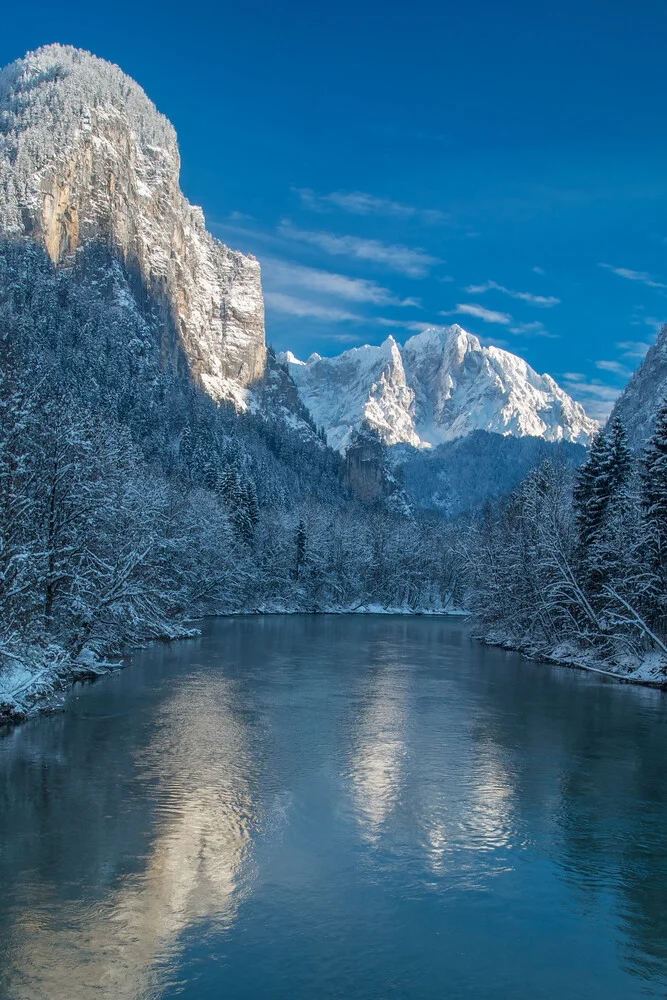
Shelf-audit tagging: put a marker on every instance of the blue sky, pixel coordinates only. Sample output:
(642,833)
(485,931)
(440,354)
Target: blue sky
(393,165)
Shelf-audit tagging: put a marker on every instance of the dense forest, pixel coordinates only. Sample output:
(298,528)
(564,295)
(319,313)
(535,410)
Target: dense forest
(574,564)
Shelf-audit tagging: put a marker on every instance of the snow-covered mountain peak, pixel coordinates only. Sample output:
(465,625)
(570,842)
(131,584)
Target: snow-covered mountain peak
(442,384)
(453,338)
(362,385)
(86,156)
(288,358)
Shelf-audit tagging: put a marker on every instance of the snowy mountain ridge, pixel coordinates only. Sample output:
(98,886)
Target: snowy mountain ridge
(442,384)
(85,156)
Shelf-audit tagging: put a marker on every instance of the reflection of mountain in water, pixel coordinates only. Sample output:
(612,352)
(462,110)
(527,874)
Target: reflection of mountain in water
(193,869)
(379,750)
(416,780)
(460,777)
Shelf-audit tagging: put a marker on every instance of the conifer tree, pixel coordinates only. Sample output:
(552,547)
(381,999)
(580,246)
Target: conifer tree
(590,494)
(611,548)
(600,499)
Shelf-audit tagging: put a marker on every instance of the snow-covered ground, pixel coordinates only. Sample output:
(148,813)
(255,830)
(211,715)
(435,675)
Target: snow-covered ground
(31,676)
(649,669)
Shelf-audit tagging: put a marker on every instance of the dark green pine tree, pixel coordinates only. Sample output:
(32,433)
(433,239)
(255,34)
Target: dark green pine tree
(600,496)
(590,493)
(620,457)
(228,487)
(248,509)
(612,549)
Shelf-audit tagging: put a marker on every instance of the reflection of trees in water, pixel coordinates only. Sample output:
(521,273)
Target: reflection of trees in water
(590,772)
(552,760)
(196,768)
(614,824)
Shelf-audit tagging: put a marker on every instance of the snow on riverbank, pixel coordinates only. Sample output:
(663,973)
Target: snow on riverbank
(34,680)
(34,677)
(352,609)
(650,669)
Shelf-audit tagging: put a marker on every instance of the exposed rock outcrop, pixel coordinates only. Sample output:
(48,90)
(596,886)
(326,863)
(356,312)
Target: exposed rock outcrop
(84,156)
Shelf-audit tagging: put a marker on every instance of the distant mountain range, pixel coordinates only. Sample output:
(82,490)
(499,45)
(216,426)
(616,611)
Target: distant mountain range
(440,385)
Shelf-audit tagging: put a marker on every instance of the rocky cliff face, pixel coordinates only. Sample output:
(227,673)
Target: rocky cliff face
(441,385)
(644,394)
(85,156)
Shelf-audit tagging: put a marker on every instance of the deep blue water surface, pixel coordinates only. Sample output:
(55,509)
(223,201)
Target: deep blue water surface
(357,807)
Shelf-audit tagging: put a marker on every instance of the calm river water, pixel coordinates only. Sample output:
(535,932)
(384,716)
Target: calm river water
(351,807)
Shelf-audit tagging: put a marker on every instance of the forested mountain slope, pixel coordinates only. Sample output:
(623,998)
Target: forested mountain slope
(155,460)
(463,475)
(85,156)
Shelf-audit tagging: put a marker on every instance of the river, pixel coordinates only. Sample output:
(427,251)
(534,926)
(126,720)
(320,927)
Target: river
(357,807)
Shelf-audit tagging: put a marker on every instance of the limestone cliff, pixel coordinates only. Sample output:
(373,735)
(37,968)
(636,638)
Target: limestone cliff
(85,156)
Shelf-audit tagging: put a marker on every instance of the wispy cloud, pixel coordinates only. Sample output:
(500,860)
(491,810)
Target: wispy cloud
(616,367)
(534,329)
(281,274)
(537,300)
(291,305)
(653,322)
(596,396)
(345,338)
(642,276)
(479,312)
(539,270)
(413,262)
(362,203)
(633,348)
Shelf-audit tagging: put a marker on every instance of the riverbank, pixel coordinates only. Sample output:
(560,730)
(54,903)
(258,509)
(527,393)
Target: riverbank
(647,671)
(34,680)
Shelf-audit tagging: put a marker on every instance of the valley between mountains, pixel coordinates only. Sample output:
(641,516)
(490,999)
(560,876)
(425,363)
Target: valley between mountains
(160,463)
